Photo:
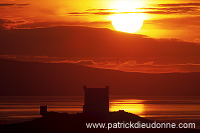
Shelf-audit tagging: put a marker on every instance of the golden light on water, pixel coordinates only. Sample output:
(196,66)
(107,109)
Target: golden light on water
(129,105)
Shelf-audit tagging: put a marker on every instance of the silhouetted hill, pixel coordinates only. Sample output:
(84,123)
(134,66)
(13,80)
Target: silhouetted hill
(62,123)
(33,78)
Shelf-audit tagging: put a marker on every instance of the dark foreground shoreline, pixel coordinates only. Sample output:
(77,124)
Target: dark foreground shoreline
(63,122)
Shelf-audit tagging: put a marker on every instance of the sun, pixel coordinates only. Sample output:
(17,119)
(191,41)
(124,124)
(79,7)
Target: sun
(129,22)
(129,105)
(128,17)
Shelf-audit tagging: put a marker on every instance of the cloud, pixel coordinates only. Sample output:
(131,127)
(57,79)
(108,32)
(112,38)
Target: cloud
(92,13)
(78,41)
(143,65)
(191,22)
(4,4)
(155,9)
(148,67)
(83,62)
(12,4)
(127,64)
(45,24)
(181,8)
(7,21)
(4,22)
(20,23)
(101,9)
(111,13)
(10,23)
(171,10)
(179,4)
(22,4)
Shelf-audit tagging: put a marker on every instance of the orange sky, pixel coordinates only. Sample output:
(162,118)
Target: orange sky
(163,19)
(167,42)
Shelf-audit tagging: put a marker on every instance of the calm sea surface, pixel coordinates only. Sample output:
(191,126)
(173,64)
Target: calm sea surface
(168,109)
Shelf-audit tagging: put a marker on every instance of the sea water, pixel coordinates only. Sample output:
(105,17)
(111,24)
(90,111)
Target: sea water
(159,108)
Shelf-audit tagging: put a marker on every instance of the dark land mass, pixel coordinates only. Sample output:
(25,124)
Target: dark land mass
(43,79)
(62,123)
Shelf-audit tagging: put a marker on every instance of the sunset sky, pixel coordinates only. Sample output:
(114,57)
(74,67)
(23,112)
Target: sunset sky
(165,25)
(163,19)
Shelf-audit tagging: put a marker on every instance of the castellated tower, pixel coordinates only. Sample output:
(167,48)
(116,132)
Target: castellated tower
(96,100)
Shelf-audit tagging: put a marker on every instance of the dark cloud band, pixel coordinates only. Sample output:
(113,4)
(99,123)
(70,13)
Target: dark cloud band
(12,4)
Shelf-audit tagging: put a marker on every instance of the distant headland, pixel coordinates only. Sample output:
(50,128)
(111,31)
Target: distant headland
(64,79)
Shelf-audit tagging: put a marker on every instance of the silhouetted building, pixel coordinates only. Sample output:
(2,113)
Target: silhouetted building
(43,110)
(96,100)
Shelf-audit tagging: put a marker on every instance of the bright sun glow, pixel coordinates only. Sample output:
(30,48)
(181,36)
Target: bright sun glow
(126,18)
(129,105)
(130,22)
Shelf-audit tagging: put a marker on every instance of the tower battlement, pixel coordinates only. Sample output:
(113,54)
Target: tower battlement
(96,100)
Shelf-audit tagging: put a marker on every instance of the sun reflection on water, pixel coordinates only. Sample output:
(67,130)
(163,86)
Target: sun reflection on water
(134,106)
